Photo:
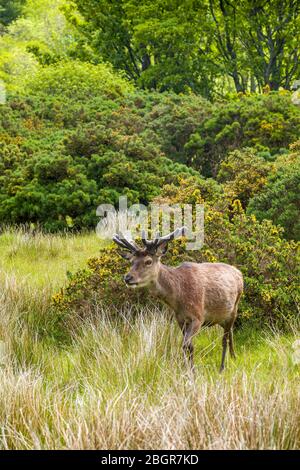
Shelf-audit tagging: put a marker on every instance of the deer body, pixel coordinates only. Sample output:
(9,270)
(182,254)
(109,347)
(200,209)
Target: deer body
(201,294)
(198,293)
(206,291)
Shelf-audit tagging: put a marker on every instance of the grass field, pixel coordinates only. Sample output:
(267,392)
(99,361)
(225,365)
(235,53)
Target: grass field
(124,385)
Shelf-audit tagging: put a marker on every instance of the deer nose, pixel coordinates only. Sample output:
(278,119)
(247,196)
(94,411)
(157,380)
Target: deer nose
(128,278)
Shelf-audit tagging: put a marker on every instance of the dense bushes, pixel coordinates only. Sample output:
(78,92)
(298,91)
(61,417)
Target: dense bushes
(243,174)
(279,198)
(77,80)
(58,190)
(80,135)
(269,123)
(164,118)
(71,145)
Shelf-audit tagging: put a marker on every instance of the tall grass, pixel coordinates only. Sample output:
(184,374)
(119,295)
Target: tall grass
(123,384)
(44,259)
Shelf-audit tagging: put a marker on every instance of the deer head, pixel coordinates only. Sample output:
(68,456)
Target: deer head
(145,262)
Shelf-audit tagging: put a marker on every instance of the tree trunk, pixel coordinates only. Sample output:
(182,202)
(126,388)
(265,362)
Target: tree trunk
(146,62)
(252,84)
(237,82)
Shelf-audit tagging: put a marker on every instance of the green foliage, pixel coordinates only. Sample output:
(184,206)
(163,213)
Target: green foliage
(10,10)
(164,118)
(204,46)
(147,40)
(279,199)
(243,174)
(270,266)
(268,123)
(81,137)
(15,63)
(59,191)
(41,35)
(192,190)
(256,42)
(77,80)
(84,138)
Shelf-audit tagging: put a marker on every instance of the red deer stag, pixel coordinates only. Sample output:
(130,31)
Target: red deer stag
(199,293)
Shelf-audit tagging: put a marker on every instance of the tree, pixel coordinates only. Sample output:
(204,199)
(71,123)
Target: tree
(225,23)
(110,31)
(173,38)
(258,41)
(10,10)
(271,38)
(197,44)
(40,35)
(156,42)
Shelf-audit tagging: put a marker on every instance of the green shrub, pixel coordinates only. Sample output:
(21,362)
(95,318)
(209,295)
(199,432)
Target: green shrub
(74,153)
(243,174)
(267,122)
(78,80)
(279,200)
(165,119)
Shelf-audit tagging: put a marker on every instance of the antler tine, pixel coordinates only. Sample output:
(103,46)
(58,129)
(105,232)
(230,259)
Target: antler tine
(122,241)
(144,239)
(156,239)
(130,243)
(150,244)
(146,243)
(178,232)
(119,242)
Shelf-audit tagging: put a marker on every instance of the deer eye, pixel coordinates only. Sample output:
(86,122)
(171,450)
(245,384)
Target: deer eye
(148,262)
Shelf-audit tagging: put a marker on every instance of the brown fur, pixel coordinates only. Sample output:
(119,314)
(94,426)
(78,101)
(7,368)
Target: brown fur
(199,294)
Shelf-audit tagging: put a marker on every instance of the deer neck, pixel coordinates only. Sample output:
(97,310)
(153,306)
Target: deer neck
(165,285)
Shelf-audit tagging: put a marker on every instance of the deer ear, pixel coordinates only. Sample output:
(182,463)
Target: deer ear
(162,249)
(125,254)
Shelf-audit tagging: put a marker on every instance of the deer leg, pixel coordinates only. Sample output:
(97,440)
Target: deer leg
(234,315)
(231,348)
(190,331)
(224,343)
(183,326)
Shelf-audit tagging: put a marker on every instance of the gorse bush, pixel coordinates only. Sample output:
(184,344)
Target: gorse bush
(56,190)
(279,198)
(77,80)
(243,174)
(164,118)
(267,122)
